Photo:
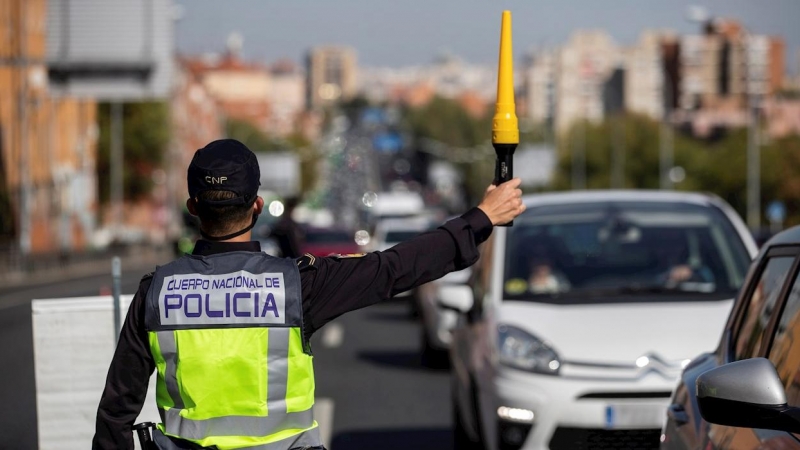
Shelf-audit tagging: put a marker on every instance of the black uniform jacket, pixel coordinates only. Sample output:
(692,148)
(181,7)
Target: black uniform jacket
(331,286)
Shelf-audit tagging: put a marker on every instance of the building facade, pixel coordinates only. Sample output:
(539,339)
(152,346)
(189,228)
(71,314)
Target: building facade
(541,81)
(645,75)
(586,62)
(271,98)
(48,145)
(330,75)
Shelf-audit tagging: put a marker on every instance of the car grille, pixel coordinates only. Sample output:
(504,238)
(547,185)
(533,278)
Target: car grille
(589,439)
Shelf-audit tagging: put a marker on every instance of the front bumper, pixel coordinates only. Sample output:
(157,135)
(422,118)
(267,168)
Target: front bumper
(570,405)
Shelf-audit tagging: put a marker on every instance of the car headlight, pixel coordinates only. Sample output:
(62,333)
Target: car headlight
(522,350)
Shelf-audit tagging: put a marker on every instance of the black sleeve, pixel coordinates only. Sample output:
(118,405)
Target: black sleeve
(127,380)
(333,286)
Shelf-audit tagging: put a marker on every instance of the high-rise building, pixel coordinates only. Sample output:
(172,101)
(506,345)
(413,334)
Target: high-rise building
(645,75)
(286,96)
(701,61)
(585,64)
(726,64)
(330,75)
(541,82)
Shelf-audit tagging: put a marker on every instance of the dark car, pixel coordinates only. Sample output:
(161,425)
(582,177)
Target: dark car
(327,241)
(746,394)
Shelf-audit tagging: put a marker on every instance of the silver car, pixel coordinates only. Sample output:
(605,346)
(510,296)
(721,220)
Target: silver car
(746,393)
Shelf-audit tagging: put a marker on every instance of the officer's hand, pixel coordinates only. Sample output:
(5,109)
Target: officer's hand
(503,203)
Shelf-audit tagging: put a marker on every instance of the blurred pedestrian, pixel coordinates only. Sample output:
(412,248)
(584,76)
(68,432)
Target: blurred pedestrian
(228,327)
(288,233)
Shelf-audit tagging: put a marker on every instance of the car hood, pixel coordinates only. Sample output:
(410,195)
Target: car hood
(622,332)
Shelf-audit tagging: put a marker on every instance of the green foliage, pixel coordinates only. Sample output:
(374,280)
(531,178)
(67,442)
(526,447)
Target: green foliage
(718,167)
(446,121)
(145,141)
(251,136)
(258,141)
(353,107)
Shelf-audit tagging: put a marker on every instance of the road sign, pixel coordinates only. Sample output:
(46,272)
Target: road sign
(110,50)
(776,211)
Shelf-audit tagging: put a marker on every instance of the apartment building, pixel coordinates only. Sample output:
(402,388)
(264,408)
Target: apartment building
(585,63)
(330,75)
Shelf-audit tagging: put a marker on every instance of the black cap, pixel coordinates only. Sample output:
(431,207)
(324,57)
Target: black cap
(225,165)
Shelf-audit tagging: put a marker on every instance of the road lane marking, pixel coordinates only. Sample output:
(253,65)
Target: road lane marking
(323,414)
(332,335)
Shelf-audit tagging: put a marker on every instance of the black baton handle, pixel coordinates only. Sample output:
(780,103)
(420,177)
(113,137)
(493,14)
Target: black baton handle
(504,167)
(145,438)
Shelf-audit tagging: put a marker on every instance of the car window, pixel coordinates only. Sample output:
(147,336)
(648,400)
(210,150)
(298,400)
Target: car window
(760,305)
(785,351)
(623,251)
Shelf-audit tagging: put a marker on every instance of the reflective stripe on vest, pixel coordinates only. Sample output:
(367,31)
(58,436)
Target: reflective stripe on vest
(278,417)
(308,438)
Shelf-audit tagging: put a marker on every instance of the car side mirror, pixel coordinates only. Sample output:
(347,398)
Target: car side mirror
(456,297)
(747,394)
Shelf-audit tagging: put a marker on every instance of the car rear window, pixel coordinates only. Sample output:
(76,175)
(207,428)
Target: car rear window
(618,251)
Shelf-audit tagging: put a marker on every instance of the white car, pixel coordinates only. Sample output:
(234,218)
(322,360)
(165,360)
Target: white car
(437,320)
(390,232)
(578,319)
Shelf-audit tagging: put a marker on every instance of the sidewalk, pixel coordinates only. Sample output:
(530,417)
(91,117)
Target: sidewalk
(141,258)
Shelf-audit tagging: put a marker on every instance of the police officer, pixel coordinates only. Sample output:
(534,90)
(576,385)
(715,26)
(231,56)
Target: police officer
(228,327)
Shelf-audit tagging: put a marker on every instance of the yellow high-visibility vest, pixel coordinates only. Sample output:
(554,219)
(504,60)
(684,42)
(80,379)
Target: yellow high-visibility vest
(234,370)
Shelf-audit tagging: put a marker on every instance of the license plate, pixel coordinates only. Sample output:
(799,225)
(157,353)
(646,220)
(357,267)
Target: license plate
(646,415)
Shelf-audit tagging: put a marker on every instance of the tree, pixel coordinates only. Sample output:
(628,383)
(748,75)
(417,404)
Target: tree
(145,141)
(246,133)
(259,141)
(716,166)
(445,121)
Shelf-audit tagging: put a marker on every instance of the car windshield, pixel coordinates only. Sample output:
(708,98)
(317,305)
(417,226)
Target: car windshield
(621,251)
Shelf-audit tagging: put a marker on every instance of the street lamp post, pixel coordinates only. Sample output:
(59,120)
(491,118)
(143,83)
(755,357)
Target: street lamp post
(666,143)
(753,165)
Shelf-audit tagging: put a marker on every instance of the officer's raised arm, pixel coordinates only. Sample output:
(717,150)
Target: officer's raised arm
(336,285)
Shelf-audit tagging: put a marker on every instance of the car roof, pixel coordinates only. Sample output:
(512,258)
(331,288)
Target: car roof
(786,237)
(620,195)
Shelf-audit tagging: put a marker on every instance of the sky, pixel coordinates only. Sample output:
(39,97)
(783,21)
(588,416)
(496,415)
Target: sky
(399,33)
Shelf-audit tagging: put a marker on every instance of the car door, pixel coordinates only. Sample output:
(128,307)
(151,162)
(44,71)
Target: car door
(784,353)
(751,336)
(685,428)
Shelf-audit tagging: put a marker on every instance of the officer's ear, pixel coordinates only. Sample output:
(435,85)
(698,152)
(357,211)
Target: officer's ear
(258,205)
(191,205)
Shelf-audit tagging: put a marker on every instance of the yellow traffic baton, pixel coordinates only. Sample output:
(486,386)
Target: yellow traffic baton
(505,127)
